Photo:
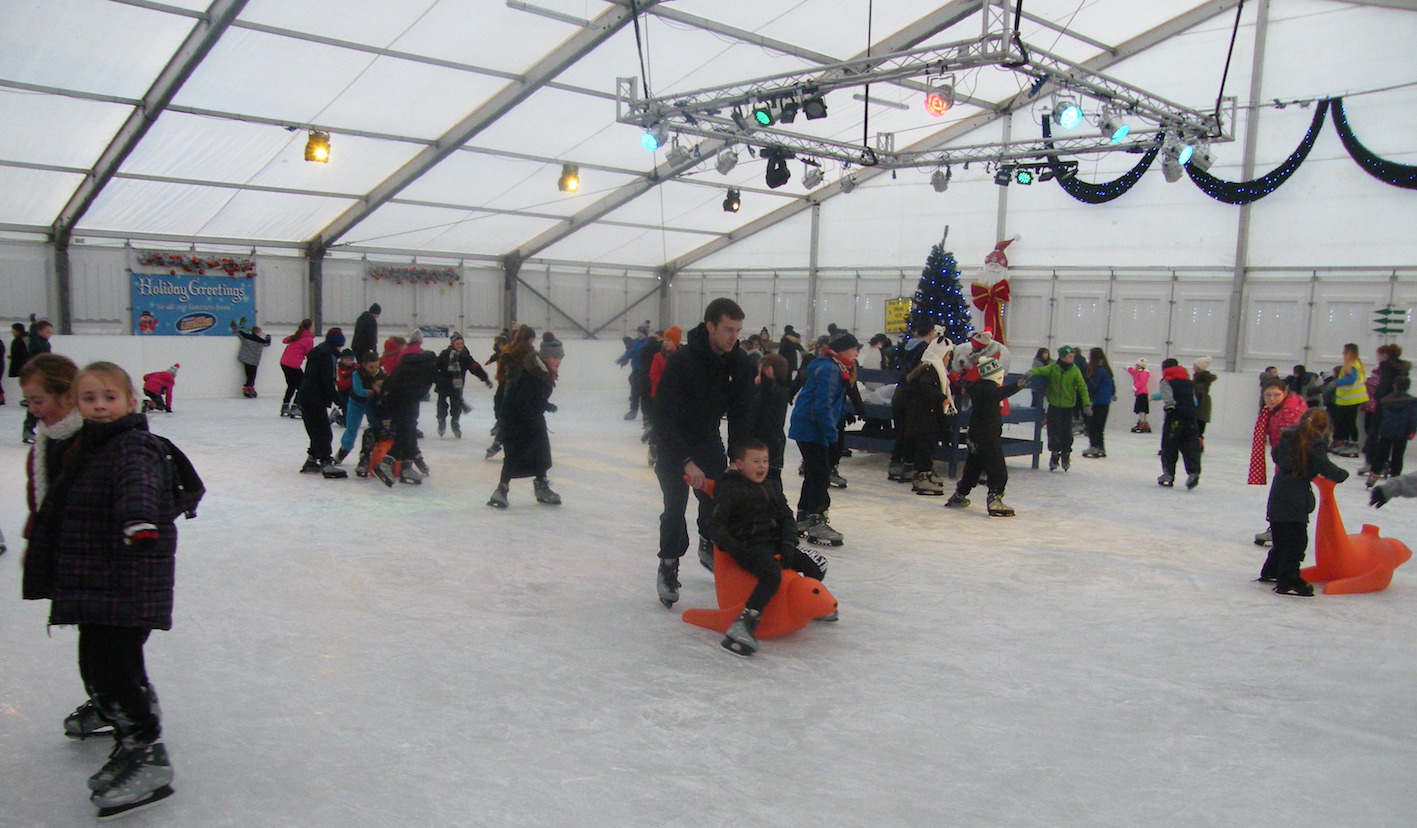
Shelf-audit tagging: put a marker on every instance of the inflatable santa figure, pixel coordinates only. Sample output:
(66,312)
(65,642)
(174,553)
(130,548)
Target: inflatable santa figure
(990,290)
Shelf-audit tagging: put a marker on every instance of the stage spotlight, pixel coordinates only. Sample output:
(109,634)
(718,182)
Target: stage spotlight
(788,113)
(814,108)
(1171,148)
(938,100)
(654,137)
(1171,169)
(727,160)
(1113,128)
(732,202)
(763,115)
(1067,170)
(570,178)
(677,155)
(740,121)
(812,176)
(940,179)
(1003,176)
(1201,158)
(1023,176)
(848,183)
(317,147)
(777,173)
(1067,114)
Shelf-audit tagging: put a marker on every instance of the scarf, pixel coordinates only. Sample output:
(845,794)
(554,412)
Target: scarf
(44,435)
(1259,445)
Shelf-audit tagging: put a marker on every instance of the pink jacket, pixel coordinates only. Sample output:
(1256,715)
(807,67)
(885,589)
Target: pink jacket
(1140,380)
(296,349)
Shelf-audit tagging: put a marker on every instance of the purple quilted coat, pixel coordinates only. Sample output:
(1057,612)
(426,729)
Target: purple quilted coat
(117,474)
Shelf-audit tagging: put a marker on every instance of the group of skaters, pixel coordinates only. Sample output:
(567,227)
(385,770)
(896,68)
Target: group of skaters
(328,384)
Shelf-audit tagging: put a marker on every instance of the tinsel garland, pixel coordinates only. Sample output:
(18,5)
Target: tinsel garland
(1388,172)
(415,275)
(1096,193)
(1244,192)
(199,265)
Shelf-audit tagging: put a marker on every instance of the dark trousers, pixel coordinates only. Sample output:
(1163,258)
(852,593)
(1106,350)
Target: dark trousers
(405,423)
(673,526)
(918,450)
(816,479)
(760,562)
(317,427)
(1060,429)
(1180,436)
(984,456)
(1291,540)
(1345,423)
(116,678)
(1388,457)
(450,402)
(293,376)
(157,400)
(639,389)
(1097,427)
(1372,420)
(250,375)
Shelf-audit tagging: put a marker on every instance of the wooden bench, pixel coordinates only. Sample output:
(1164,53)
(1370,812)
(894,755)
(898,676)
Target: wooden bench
(952,449)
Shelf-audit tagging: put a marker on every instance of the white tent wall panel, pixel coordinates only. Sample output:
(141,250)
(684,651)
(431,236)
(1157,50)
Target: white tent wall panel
(102,290)
(1200,319)
(481,300)
(25,283)
(1080,313)
(1027,317)
(282,288)
(343,292)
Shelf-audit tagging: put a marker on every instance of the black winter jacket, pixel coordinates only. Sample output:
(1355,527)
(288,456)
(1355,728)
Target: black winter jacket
(767,417)
(412,378)
(453,367)
(1291,498)
(697,389)
(747,514)
(317,387)
(986,418)
(366,336)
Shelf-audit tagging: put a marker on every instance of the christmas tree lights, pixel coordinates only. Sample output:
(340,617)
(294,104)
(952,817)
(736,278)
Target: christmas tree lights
(939,297)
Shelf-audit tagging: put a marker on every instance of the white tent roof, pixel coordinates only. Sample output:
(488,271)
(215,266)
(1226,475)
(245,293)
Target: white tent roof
(449,119)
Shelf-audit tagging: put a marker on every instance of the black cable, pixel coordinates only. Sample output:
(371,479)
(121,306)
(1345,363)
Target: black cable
(866,92)
(639,46)
(1234,32)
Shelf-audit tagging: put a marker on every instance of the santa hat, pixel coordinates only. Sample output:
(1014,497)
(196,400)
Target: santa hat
(173,369)
(982,339)
(997,256)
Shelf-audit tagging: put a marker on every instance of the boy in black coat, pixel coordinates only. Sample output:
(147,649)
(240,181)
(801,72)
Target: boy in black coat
(986,440)
(753,524)
(1180,433)
(1302,455)
(453,364)
(317,394)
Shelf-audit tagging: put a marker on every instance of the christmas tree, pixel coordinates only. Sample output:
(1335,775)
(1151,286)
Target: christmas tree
(939,297)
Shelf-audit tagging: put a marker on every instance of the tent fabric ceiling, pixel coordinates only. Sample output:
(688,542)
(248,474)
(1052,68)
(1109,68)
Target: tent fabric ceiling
(389,78)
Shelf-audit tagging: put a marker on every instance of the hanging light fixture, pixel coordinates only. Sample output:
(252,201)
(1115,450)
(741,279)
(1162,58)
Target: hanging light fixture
(848,182)
(317,147)
(811,176)
(777,172)
(570,178)
(939,99)
(677,155)
(940,179)
(1024,176)
(727,160)
(1201,159)
(1067,114)
(814,107)
(1003,176)
(654,137)
(1113,127)
(732,202)
(762,113)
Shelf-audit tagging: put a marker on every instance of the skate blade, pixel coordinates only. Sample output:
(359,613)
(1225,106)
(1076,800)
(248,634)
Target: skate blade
(338,475)
(823,542)
(152,799)
(931,494)
(668,604)
(736,648)
(79,737)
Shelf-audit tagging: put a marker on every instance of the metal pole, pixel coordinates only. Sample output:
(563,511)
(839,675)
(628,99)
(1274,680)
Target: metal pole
(63,283)
(812,270)
(1247,172)
(315,255)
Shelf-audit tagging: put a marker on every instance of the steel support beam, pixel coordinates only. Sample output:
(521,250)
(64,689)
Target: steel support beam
(1247,172)
(1122,51)
(537,77)
(910,36)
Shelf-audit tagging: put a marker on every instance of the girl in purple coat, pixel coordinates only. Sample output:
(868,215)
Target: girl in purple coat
(103,551)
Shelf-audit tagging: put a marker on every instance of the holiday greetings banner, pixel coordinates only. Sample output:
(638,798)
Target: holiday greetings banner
(183,305)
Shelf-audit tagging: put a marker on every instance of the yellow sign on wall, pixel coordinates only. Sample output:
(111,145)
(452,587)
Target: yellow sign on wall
(897,315)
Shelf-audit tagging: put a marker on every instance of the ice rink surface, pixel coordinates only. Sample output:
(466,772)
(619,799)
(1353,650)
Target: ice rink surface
(345,654)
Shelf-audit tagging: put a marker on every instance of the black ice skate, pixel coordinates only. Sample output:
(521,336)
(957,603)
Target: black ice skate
(499,498)
(1298,589)
(1193,480)
(311,466)
(385,471)
(819,532)
(705,553)
(86,721)
(957,501)
(998,508)
(667,581)
(1168,480)
(1067,460)
(1053,461)
(740,640)
(1264,538)
(542,487)
(144,777)
(332,472)
(409,474)
(836,479)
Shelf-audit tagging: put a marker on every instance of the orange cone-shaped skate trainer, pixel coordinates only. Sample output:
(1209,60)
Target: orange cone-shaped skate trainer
(1345,563)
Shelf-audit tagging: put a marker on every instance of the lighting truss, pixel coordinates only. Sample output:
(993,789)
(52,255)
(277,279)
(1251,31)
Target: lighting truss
(708,112)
